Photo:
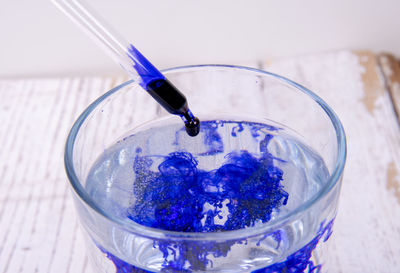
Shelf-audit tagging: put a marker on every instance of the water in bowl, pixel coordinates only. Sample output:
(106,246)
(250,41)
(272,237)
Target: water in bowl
(235,174)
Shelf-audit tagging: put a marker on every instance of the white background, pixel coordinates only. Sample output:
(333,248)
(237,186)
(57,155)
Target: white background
(36,39)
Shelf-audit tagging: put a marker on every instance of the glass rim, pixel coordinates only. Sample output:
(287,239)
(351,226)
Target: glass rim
(133,227)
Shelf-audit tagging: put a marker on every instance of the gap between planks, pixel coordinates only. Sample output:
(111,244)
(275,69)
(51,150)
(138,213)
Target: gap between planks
(390,68)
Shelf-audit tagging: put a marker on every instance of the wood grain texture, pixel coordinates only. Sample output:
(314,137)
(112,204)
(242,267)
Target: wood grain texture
(38,225)
(367,230)
(391,71)
(37,219)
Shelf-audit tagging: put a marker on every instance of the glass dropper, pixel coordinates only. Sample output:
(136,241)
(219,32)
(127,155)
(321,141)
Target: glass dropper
(132,61)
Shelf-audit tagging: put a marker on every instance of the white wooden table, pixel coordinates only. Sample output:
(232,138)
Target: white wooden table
(38,225)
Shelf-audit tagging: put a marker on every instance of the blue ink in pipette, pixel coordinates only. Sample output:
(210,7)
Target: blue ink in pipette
(134,63)
(163,91)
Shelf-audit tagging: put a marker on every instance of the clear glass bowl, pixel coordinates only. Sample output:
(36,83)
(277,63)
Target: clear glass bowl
(292,241)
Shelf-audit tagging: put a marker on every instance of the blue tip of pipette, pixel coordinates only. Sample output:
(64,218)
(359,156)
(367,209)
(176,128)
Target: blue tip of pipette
(163,91)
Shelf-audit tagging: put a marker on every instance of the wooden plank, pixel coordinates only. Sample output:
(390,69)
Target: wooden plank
(32,172)
(367,229)
(391,72)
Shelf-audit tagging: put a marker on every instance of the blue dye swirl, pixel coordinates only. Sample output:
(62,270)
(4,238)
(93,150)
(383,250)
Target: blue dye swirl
(212,140)
(174,197)
(245,190)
